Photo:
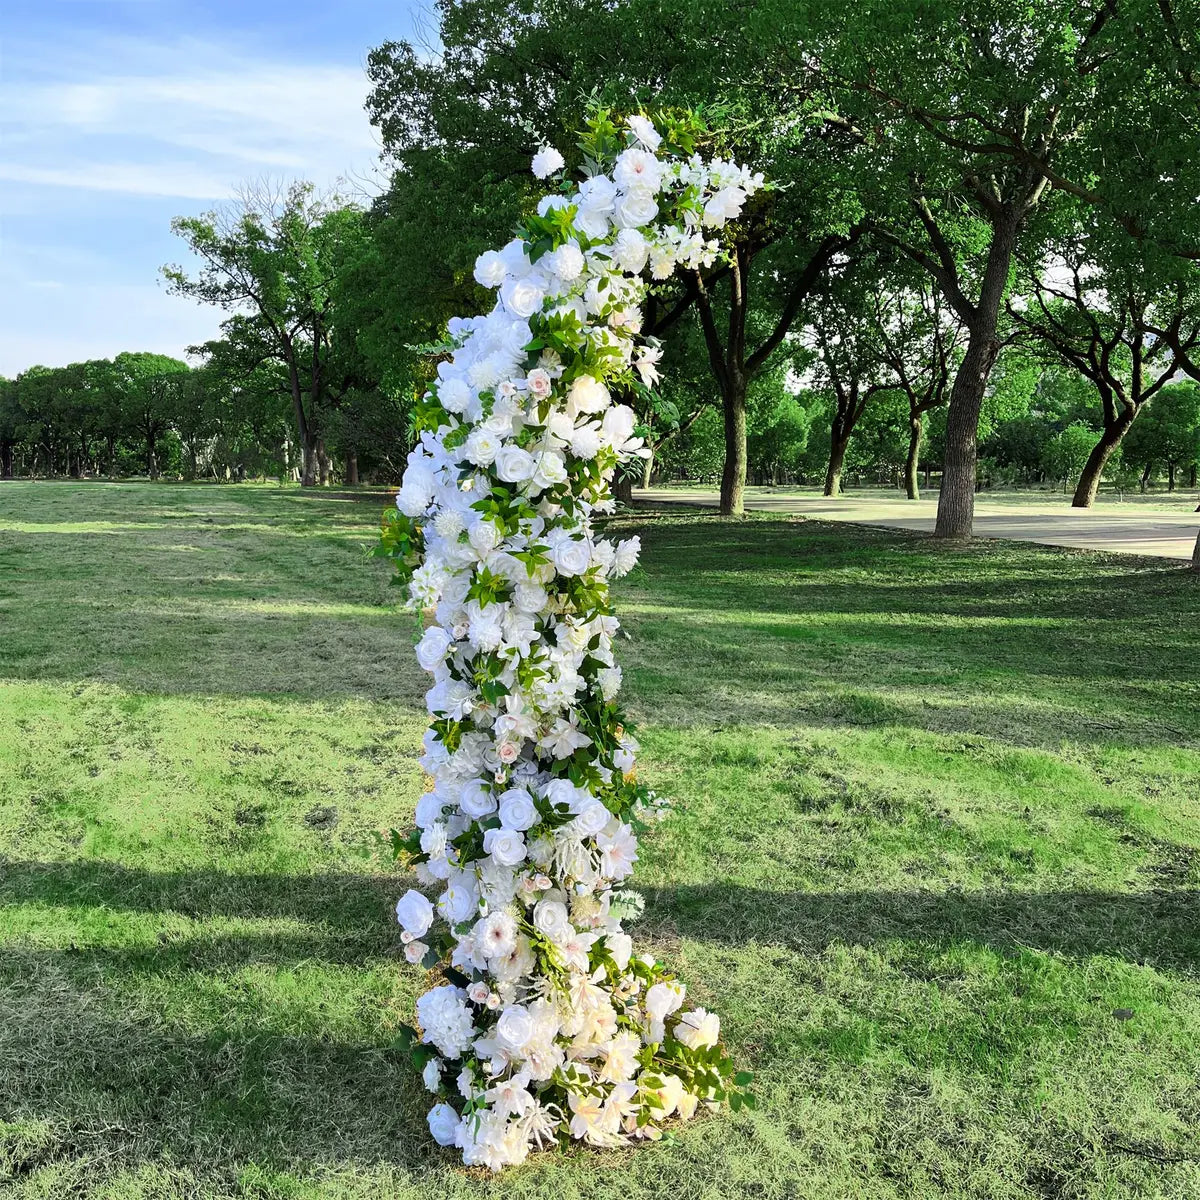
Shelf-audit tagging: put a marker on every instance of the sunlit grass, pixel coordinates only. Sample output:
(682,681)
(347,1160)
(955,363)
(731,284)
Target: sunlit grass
(935,857)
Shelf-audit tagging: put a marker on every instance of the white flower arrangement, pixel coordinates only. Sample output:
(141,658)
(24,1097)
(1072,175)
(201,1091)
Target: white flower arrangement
(547,1026)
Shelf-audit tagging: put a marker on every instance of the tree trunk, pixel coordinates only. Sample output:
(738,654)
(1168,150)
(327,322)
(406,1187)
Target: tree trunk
(151,456)
(1192,476)
(352,467)
(1196,553)
(648,468)
(838,441)
(733,476)
(956,500)
(915,429)
(323,463)
(1089,481)
(6,458)
(1146,477)
(1170,477)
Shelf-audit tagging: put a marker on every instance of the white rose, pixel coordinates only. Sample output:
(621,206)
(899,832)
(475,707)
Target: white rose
(481,447)
(431,649)
(591,819)
(588,395)
(458,902)
(429,809)
(415,951)
(514,465)
(443,1124)
(636,207)
(517,810)
(484,537)
(414,912)
(571,557)
(549,470)
(522,297)
(539,383)
(546,161)
(598,194)
(550,919)
(475,800)
(490,269)
(515,1028)
(516,259)
(506,846)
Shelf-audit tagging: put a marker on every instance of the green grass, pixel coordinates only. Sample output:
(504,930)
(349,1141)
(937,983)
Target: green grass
(935,857)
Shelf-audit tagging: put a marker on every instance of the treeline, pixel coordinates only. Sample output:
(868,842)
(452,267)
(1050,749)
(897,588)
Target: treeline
(980,258)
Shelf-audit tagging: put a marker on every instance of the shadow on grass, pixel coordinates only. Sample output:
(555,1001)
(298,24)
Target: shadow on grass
(1157,929)
(127,1089)
(344,901)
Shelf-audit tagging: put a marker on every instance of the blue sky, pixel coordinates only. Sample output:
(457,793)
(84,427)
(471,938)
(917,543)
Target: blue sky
(117,116)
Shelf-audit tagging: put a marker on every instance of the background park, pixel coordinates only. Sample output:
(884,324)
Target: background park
(935,845)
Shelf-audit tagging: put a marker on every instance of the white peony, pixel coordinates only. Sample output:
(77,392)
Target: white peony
(490,269)
(698,1029)
(546,161)
(588,395)
(643,129)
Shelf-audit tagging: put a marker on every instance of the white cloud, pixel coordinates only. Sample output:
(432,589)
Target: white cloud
(105,139)
(182,119)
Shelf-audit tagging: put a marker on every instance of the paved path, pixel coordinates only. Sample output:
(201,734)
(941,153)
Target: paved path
(1131,528)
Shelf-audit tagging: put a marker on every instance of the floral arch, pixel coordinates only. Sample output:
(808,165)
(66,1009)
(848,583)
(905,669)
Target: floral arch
(547,1026)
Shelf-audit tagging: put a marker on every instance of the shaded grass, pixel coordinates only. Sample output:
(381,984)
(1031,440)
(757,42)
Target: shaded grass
(935,857)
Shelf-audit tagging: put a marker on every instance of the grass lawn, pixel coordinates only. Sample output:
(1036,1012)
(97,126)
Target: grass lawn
(935,857)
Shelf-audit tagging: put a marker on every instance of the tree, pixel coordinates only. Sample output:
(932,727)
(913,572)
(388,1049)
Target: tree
(274,261)
(150,385)
(509,75)
(1096,311)
(12,418)
(940,97)
(849,358)
(1168,435)
(919,343)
